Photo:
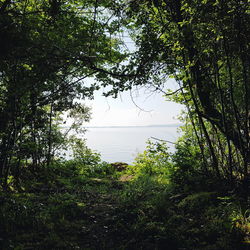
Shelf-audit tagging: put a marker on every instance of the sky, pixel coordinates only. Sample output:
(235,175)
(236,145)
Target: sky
(136,108)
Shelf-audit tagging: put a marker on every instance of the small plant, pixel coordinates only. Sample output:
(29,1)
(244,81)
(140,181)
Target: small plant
(83,154)
(87,161)
(153,161)
(241,221)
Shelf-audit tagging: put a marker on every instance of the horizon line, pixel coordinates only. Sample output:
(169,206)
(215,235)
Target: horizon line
(132,126)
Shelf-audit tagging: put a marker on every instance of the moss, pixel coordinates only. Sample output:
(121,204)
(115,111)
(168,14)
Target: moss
(198,201)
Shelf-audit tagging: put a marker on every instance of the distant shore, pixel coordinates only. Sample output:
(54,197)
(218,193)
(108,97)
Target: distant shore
(146,126)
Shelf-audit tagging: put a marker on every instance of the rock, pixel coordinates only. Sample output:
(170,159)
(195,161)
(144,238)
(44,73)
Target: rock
(126,178)
(119,166)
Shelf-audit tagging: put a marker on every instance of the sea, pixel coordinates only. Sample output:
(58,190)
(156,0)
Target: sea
(123,144)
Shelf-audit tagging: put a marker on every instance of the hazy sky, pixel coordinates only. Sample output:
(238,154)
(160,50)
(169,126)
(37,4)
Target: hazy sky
(128,111)
(145,108)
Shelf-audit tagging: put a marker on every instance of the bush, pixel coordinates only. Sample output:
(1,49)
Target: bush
(198,201)
(154,161)
(139,189)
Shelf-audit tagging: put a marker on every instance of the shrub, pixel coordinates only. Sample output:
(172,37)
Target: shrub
(153,161)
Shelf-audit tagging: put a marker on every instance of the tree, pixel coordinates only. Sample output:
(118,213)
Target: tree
(47,51)
(204,45)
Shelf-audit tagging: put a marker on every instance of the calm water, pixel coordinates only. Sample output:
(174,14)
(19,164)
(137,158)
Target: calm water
(124,143)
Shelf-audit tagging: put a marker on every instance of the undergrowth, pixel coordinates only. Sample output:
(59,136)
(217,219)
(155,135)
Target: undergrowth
(159,202)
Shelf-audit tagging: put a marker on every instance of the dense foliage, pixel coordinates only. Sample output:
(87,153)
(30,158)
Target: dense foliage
(90,204)
(195,198)
(204,45)
(48,50)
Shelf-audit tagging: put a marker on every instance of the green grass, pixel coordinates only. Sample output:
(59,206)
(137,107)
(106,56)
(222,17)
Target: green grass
(74,206)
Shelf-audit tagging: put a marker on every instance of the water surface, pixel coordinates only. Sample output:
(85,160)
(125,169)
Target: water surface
(124,143)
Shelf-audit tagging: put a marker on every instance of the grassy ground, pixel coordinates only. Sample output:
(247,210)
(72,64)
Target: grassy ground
(69,207)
